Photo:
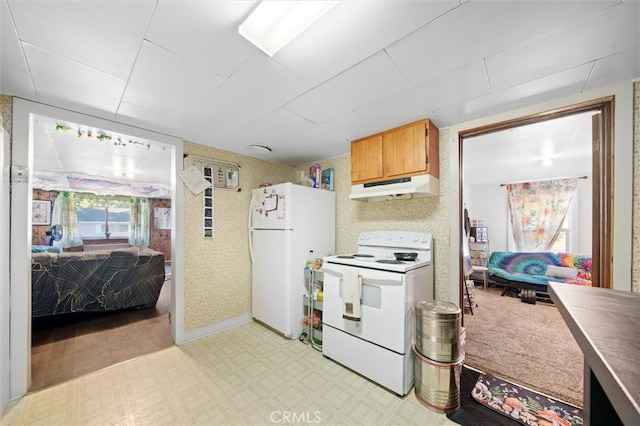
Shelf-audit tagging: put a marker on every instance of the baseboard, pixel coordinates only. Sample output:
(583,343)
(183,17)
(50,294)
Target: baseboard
(216,328)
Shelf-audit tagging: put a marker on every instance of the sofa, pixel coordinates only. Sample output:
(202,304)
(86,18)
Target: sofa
(529,273)
(46,249)
(98,281)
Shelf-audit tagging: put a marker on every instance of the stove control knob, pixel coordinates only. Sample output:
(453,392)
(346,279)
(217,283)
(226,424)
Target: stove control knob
(390,237)
(416,238)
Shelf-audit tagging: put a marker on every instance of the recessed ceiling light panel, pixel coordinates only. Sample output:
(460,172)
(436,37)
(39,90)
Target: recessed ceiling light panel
(273,24)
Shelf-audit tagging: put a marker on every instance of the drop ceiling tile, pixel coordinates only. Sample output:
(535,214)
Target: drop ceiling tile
(417,102)
(371,80)
(340,131)
(205,33)
(336,135)
(545,89)
(270,129)
(624,66)
(102,35)
(613,31)
(164,82)
(159,121)
(480,29)
(57,79)
(14,73)
(324,141)
(259,87)
(353,31)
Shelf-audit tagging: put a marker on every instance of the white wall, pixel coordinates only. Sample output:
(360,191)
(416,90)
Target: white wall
(489,203)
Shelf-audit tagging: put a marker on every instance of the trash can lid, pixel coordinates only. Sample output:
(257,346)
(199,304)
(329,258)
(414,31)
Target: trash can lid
(437,307)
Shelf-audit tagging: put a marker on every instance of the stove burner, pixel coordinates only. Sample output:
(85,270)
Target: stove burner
(343,256)
(389,261)
(362,255)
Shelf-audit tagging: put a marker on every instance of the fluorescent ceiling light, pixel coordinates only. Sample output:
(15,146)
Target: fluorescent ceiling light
(273,24)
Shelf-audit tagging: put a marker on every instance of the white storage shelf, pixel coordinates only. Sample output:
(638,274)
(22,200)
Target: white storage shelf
(314,284)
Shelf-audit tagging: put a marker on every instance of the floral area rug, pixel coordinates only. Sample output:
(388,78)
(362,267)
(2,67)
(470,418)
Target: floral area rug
(524,405)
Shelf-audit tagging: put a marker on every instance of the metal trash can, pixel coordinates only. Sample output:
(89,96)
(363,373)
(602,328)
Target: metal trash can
(438,354)
(438,331)
(437,384)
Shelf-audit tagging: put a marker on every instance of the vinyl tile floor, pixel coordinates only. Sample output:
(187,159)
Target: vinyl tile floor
(246,375)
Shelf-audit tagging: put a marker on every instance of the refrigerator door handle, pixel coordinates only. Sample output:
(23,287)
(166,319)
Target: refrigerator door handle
(251,245)
(250,231)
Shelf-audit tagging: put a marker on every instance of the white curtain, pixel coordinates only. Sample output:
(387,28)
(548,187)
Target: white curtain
(65,214)
(139,227)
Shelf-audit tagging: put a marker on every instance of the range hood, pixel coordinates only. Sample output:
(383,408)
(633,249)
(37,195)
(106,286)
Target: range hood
(410,187)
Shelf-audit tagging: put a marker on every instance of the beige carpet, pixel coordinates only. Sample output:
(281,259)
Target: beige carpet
(526,344)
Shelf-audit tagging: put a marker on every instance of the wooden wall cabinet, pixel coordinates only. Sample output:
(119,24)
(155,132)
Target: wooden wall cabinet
(366,159)
(409,150)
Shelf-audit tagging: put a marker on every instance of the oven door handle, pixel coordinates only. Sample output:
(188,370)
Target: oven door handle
(380,282)
(378,278)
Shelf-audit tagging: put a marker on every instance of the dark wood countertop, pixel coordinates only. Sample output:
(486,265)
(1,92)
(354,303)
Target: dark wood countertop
(606,326)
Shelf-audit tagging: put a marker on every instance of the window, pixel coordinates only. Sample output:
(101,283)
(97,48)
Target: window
(100,217)
(562,243)
(567,235)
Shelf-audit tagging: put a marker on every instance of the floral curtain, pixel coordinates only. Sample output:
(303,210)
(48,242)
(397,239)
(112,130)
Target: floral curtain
(65,214)
(537,210)
(139,227)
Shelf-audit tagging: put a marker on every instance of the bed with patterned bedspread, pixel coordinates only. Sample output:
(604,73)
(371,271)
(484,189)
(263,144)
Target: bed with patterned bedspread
(529,272)
(97,281)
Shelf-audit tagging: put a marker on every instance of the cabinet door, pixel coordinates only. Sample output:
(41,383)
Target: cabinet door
(366,159)
(405,150)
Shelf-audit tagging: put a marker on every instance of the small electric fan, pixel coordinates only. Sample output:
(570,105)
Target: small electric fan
(54,234)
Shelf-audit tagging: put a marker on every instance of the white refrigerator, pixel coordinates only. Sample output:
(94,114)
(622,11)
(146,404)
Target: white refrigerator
(286,221)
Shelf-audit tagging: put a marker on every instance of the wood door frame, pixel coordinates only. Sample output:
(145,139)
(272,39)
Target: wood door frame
(602,167)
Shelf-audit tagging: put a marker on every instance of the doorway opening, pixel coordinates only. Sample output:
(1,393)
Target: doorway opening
(601,172)
(101,192)
(25,117)
(594,207)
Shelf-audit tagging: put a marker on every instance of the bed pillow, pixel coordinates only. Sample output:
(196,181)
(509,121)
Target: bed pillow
(561,272)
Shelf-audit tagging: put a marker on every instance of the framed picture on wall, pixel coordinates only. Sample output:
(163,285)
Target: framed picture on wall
(41,212)
(162,218)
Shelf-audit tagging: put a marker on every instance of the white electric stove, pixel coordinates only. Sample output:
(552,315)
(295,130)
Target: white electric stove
(378,345)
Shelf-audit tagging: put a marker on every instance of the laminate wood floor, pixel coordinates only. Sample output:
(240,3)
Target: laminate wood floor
(68,346)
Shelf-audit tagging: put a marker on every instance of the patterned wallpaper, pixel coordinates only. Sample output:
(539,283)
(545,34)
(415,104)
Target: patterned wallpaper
(420,214)
(6,112)
(217,271)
